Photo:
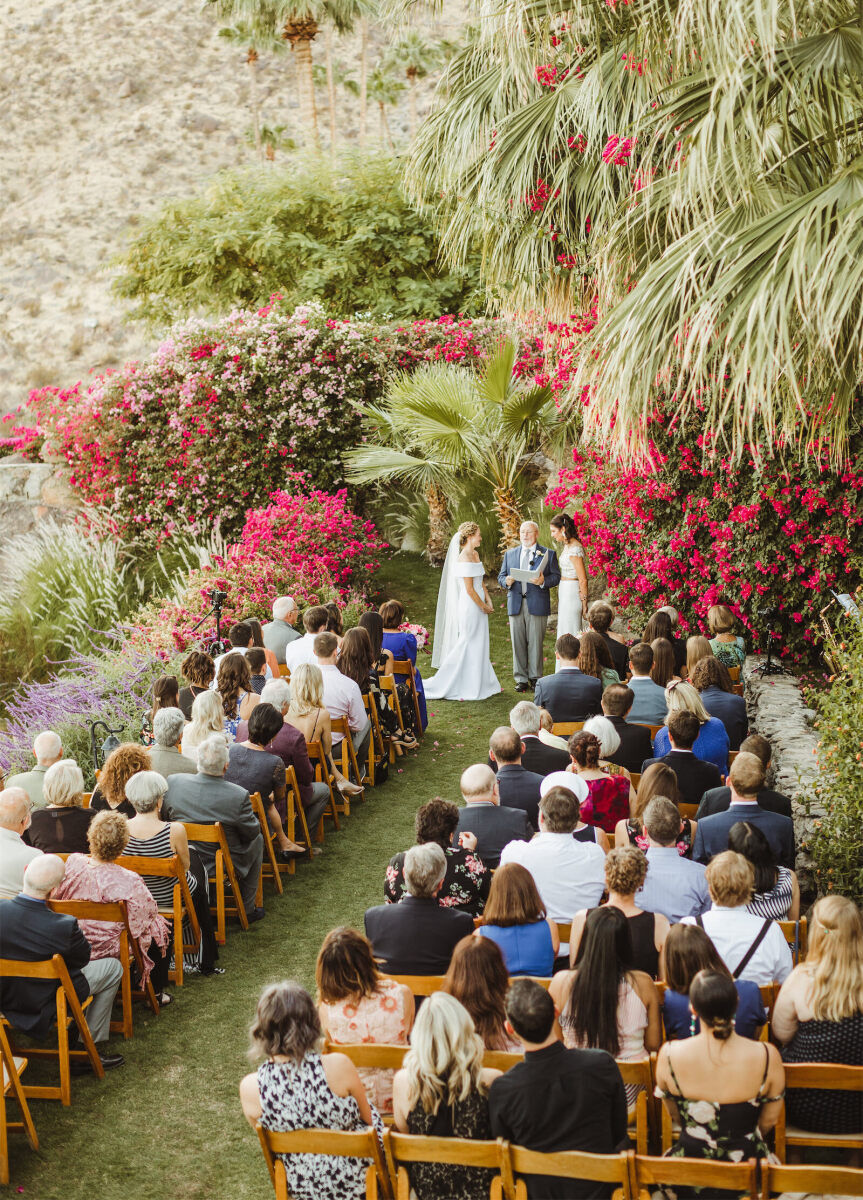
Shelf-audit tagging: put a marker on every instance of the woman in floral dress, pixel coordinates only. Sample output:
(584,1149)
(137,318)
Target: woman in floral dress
(467,880)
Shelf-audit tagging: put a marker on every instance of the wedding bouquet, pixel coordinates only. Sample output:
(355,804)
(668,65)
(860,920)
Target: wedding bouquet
(420,633)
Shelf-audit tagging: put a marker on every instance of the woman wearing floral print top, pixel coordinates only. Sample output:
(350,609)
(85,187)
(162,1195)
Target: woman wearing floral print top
(725,1090)
(467,879)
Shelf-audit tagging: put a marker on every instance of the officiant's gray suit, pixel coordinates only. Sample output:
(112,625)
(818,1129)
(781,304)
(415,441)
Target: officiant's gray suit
(529,607)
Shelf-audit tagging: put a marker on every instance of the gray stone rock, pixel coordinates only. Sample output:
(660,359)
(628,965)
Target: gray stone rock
(202,122)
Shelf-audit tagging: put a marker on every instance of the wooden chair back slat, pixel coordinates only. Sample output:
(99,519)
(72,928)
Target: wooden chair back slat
(404,666)
(688,811)
(182,910)
(572,1164)
(323,775)
(797,936)
(270,864)
(359,1144)
(345,748)
(427,985)
(566,728)
(86,797)
(654,730)
(11,1070)
(648,1173)
(815,1180)
(214,835)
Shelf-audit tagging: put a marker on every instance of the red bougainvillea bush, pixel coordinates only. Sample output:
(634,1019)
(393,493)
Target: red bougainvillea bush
(692,529)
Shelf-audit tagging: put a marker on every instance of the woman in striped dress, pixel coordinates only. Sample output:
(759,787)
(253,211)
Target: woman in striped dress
(777,892)
(153,837)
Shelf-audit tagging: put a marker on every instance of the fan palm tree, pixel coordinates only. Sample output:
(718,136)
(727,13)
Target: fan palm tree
(254,39)
(416,55)
(444,424)
(383,89)
(721,233)
(331,76)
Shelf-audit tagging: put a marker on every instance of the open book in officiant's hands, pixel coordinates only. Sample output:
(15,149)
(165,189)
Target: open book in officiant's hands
(531,573)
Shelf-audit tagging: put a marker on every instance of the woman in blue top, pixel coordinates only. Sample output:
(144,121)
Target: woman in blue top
(687,951)
(402,645)
(514,918)
(712,743)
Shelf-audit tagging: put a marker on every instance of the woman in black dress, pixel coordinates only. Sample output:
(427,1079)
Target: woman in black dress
(467,880)
(61,826)
(200,670)
(120,765)
(382,664)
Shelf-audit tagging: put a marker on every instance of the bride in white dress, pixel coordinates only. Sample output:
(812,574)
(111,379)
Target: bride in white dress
(461,644)
(572,590)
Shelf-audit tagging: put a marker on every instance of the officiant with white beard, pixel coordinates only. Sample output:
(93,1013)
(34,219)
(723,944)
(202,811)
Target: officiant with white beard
(528,602)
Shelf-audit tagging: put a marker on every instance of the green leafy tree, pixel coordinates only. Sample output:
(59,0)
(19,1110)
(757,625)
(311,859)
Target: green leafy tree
(344,235)
(384,90)
(417,56)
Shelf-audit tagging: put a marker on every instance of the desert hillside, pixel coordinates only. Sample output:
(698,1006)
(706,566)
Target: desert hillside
(105,111)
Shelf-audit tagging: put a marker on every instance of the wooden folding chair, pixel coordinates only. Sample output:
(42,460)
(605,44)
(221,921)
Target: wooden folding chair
(797,937)
(821,1076)
(117,913)
(214,835)
(688,811)
(647,1174)
(815,1180)
(361,1144)
(734,672)
(566,728)
(737,689)
(11,1070)
(284,672)
(380,746)
(635,779)
(69,1010)
(571,1164)
(86,797)
(388,687)
(654,730)
(404,668)
(323,775)
(182,906)
(641,1118)
(270,864)
(295,807)
(732,754)
(405,1148)
(345,754)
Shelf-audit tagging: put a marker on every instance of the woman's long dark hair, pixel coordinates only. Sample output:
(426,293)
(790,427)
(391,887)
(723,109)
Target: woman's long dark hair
(591,1012)
(565,522)
(355,657)
(659,626)
(372,623)
(749,840)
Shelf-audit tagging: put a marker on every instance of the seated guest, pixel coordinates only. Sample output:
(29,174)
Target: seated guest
(710,679)
(725,1091)
(516,921)
(280,632)
(675,886)
(478,979)
(15,854)
(150,836)
(483,819)
(359,1006)
(302,649)
(208,718)
(234,689)
(648,707)
(609,795)
(297,1087)
(417,936)
(335,624)
(663,624)
(257,663)
(342,697)
(609,743)
(570,694)
(595,660)
(600,617)
(120,765)
(200,671)
(47,749)
(746,779)
(625,871)
(576,785)
(402,646)
(253,767)
(61,826)
(165,756)
(689,950)
(307,714)
(517,787)
(658,780)
(728,648)
(694,776)
(635,742)
(536,756)
(777,892)
(382,667)
(557,1099)
(711,745)
(569,875)
(356,660)
(819,1015)
(605,1004)
(166,694)
(467,879)
(243,638)
(442,1090)
(545,735)
(751,947)
(271,670)
(718,799)
(31,932)
(99,878)
(664,669)
(205,798)
(697,648)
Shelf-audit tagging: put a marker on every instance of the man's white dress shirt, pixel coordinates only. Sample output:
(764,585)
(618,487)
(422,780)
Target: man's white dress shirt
(15,855)
(569,875)
(300,651)
(733,930)
(342,698)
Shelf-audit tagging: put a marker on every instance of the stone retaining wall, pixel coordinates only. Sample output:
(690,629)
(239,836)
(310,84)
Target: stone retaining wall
(31,491)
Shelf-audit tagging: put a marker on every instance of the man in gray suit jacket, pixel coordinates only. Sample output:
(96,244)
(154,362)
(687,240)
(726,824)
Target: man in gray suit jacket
(206,798)
(280,632)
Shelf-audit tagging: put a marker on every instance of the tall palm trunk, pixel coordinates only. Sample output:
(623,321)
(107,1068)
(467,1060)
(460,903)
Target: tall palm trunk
(509,515)
(301,34)
(412,100)
(331,86)
(385,126)
(252,61)
(364,73)
(438,543)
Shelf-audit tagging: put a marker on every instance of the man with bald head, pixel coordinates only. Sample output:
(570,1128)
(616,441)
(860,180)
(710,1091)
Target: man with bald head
(31,932)
(47,749)
(15,854)
(494,827)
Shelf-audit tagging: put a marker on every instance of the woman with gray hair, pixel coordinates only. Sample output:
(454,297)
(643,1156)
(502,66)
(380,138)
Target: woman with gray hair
(61,827)
(150,836)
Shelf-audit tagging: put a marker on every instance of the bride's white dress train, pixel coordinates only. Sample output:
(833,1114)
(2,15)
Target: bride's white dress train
(465,671)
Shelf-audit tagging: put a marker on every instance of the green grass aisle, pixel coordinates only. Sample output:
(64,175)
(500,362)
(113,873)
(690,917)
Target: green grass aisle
(168,1122)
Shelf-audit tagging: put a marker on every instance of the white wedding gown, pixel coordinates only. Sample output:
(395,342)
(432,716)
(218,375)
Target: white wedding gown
(466,672)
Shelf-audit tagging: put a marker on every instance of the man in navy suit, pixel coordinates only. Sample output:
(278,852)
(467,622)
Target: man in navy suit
(746,778)
(569,694)
(517,787)
(492,826)
(528,604)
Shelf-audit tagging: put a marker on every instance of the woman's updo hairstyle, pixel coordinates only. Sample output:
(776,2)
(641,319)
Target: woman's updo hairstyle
(713,997)
(465,530)
(565,522)
(585,748)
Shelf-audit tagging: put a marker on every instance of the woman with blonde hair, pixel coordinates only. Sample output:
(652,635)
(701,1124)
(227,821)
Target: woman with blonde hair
(120,765)
(442,1091)
(697,647)
(515,919)
(712,743)
(819,1015)
(658,780)
(61,826)
(728,648)
(307,713)
(207,718)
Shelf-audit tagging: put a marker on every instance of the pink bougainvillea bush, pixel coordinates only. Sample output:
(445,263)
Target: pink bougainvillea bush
(691,528)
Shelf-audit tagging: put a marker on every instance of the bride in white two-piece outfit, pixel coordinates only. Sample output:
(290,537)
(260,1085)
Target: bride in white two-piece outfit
(461,641)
